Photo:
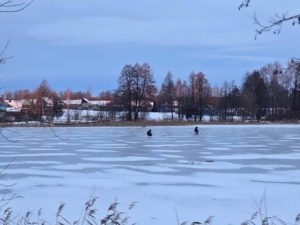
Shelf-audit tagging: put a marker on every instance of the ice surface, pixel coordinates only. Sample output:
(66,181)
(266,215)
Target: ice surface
(216,173)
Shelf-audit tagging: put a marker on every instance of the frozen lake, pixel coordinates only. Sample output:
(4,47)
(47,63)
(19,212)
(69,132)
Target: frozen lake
(216,173)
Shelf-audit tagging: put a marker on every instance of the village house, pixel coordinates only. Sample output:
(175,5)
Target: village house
(12,105)
(84,104)
(27,106)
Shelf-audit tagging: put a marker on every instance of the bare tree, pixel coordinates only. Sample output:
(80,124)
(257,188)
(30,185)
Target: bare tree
(136,88)
(144,88)
(293,72)
(124,92)
(199,92)
(254,94)
(277,93)
(275,22)
(167,93)
(225,91)
(181,93)
(234,97)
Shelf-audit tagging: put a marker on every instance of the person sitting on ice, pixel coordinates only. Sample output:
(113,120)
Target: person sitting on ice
(149,133)
(196,130)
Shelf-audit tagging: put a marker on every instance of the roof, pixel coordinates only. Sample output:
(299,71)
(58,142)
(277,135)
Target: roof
(86,101)
(15,104)
(48,101)
(100,102)
(73,102)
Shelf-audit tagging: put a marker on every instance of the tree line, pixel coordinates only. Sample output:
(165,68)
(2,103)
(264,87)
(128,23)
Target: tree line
(270,93)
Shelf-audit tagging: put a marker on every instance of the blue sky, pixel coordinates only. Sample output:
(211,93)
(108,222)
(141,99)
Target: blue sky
(83,45)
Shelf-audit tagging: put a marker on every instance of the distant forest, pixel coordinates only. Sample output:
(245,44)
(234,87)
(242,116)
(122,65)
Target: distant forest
(269,93)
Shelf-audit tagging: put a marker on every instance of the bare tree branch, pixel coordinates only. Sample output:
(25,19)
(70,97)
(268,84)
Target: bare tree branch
(274,24)
(11,6)
(2,171)
(5,201)
(57,136)
(50,125)
(244,4)
(5,137)
(3,58)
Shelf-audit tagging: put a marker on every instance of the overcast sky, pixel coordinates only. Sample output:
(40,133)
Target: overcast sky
(83,45)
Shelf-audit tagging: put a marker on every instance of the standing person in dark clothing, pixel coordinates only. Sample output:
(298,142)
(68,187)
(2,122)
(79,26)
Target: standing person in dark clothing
(196,130)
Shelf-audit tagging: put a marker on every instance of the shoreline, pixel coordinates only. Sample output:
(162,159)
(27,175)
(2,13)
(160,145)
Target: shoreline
(144,123)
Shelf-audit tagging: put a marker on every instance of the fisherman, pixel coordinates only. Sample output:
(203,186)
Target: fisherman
(196,130)
(149,133)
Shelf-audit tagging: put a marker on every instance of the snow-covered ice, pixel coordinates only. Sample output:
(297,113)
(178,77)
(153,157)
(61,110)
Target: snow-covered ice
(216,173)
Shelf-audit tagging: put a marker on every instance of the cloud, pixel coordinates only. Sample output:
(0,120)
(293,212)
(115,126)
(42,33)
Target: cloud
(63,39)
(155,22)
(151,22)
(114,30)
(248,58)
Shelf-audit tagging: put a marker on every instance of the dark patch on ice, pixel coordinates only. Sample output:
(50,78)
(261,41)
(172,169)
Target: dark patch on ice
(43,185)
(141,170)
(295,167)
(175,184)
(263,161)
(82,170)
(6,192)
(253,170)
(276,182)
(26,175)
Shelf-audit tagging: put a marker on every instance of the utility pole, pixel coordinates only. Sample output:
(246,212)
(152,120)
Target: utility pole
(68,104)
(296,64)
